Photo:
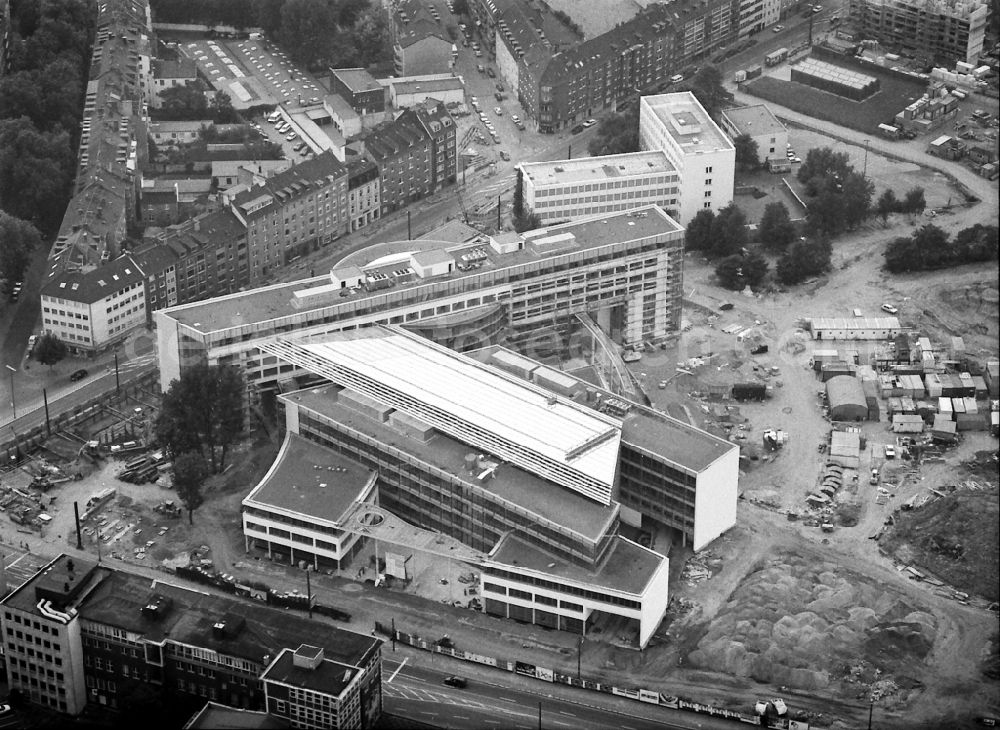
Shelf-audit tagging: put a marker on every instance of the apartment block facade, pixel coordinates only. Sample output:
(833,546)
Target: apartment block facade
(416,154)
(293,213)
(949,30)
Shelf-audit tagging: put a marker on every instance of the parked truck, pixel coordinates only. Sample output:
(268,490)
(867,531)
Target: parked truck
(775,57)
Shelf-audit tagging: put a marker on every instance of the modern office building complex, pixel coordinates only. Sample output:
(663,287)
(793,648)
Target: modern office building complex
(946,29)
(624,269)
(569,189)
(704,157)
(523,463)
(688,165)
(79,632)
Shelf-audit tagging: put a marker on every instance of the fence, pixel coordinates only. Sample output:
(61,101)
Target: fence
(134,388)
(526,669)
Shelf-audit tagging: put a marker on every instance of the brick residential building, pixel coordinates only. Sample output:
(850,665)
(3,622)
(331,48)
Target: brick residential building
(293,213)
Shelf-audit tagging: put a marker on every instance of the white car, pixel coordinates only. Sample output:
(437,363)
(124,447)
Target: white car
(778,29)
(890,451)
(589,123)
(890,309)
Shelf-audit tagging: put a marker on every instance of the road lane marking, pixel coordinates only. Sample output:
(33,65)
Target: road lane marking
(563,712)
(558,722)
(506,699)
(397,670)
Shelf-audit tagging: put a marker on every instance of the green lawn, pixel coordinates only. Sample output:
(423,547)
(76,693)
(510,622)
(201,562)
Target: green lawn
(864,116)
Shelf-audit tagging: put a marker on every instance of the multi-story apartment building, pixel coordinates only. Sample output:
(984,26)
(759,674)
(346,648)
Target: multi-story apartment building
(553,468)
(625,268)
(749,16)
(293,213)
(167,74)
(201,257)
(559,86)
(569,189)
(363,194)
(79,633)
(759,123)
(111,151)
(419,42)
(704,157)
(87,309)
(946,29)
(415,154)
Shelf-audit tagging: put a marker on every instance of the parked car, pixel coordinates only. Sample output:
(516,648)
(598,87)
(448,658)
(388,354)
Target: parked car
(589,123)
(890,309)
(78,375)
(498,96)
(890,451)
(498,111)
(504,156)
(777,29)
(31,343)
(577,129)
(491,73)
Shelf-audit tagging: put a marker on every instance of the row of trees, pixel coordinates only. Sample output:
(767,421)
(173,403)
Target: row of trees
(717,234)
(40,104)
(317,33)
(930,248)
(189,102)
(200,418)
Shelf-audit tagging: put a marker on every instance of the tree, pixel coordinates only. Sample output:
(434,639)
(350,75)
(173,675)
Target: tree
(519,194)
(190,472)
(698,236)
(886,205)
(18,240)
(49,349)
(183,102)
(856,191)
(914,202)
(776,229)
(35,170)
(729,231)
(306,29)
(202,411)
(739,271)
(268,15)
(821,163)
(348,11)
(461,7)
(976,243)
(222,109)
(707,88)
(927,248)
(528,222)
(747,154)
(804,259)
(617,134)
(371,37)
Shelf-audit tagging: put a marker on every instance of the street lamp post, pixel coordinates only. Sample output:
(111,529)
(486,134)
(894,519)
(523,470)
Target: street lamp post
(13,403)
(864,172)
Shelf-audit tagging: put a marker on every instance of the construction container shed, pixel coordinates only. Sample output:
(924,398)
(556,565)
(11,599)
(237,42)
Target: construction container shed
(846,398)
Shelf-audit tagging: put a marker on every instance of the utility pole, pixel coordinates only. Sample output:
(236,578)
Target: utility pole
(394,633)
(309,593)
(498,213)
(871,708)
(864,172)
(13,403)
(45,399)
(117,383)
(79,538)
(409,231)
(579,651)
(540,716)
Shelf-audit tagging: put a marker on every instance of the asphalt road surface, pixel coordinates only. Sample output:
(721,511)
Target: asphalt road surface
(417,692)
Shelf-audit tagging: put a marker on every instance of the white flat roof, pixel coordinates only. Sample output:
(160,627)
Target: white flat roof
(595,169)
(512,419)
(686,120)
(852,323)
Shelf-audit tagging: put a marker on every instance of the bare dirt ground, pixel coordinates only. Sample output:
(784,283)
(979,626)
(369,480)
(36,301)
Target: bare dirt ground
(794,607)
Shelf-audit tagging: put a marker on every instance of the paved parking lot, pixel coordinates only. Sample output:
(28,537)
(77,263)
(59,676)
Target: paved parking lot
(252,72)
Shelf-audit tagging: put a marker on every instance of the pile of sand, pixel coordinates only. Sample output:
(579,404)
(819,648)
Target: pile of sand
(796,621)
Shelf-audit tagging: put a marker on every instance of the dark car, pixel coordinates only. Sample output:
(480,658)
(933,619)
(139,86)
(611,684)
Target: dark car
(491,73)
(577,129)
(454,681)
(78,375)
